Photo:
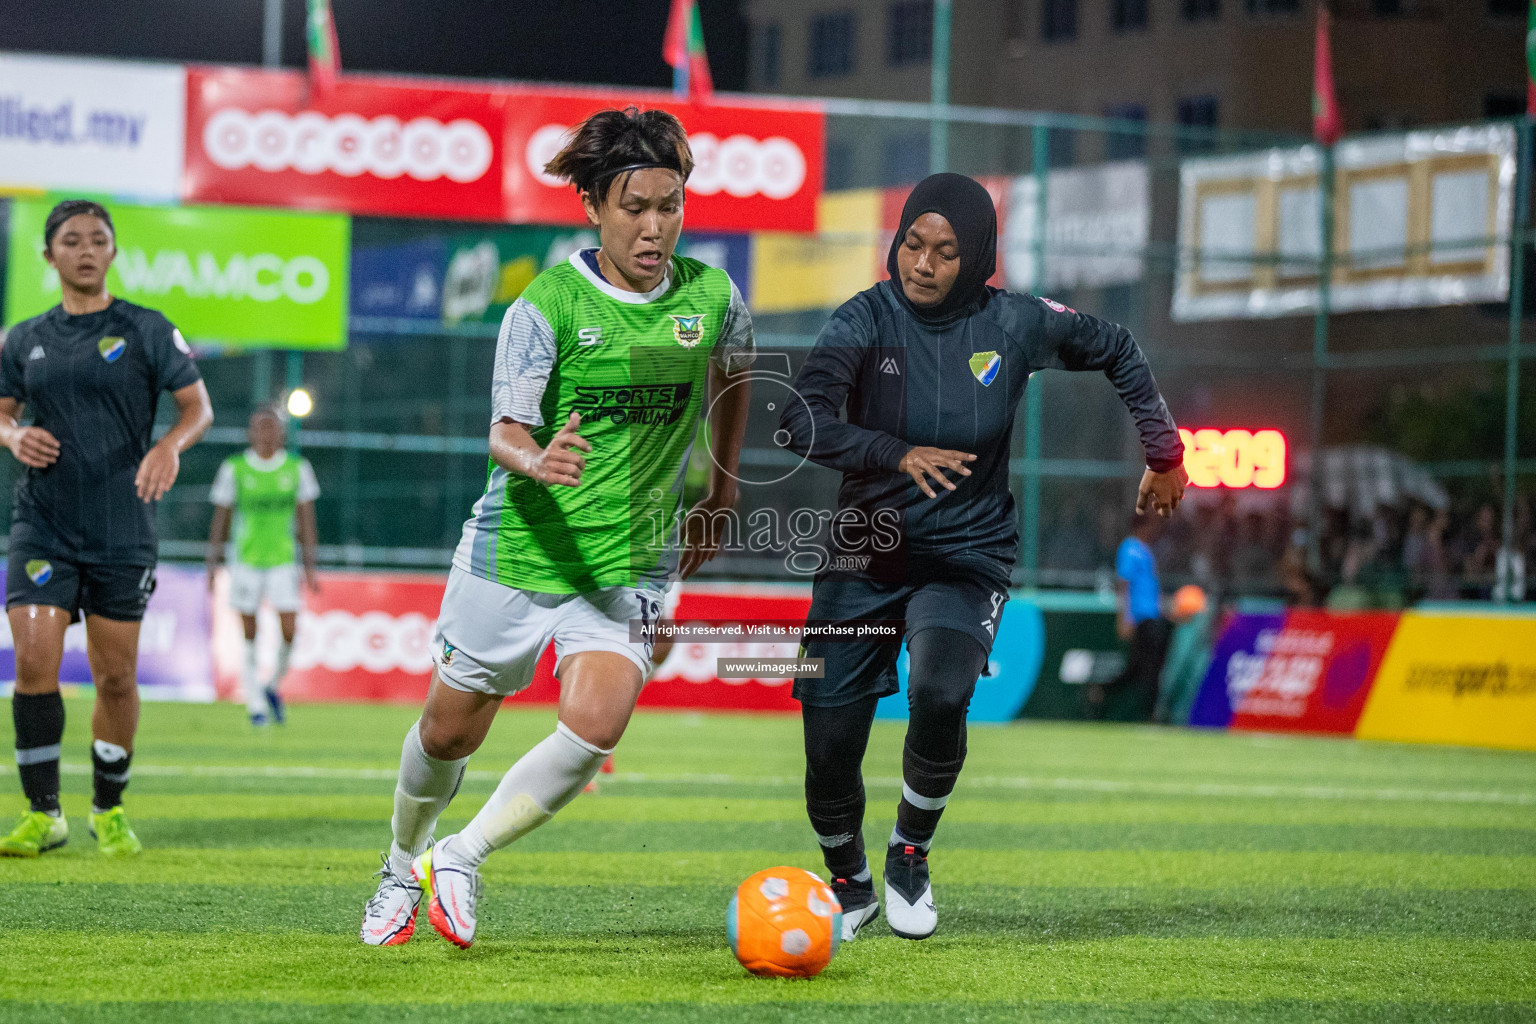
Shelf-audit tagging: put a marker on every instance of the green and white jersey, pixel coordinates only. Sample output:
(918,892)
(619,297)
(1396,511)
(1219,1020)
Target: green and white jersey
(635,367)
(265,494)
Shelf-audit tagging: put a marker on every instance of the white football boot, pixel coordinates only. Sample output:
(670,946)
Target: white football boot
(908,893)
(451,890)
(389,918)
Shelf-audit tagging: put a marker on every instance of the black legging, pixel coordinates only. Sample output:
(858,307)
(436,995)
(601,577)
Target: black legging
(941,678)
(944,666)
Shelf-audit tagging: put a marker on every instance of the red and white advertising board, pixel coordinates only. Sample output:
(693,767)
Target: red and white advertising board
(377,146)
(756,168)
(364,637)
(1313,674)
(368,636)
(687,678)
(372,146)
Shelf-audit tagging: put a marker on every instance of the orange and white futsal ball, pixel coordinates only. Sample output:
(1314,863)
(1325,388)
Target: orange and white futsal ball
(784,923)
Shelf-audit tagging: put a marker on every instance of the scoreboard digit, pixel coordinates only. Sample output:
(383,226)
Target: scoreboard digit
(1234,458)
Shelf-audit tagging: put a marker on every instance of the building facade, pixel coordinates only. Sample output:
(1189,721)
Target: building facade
(1242,64)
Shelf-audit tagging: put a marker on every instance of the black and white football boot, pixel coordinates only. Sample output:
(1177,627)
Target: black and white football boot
(908,893)
(860,905)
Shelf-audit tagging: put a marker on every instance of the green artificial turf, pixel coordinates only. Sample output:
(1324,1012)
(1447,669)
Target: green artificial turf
(1083,873)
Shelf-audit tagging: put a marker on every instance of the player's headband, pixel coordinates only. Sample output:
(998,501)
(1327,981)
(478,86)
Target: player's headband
(632,167)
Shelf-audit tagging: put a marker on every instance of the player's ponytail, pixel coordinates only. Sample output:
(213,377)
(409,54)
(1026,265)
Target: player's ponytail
(610,145)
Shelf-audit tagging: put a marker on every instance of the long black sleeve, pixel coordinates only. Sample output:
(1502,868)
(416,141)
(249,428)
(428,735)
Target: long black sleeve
(1076,341)
(833,368)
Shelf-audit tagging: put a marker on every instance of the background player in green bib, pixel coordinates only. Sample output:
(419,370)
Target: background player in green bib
(603,367)
(268,491)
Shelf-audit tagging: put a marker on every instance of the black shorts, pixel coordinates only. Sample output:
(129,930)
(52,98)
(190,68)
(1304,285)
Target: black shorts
(118,592)
(970,604)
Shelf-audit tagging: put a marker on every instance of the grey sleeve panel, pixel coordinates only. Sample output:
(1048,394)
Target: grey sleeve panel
(734,349)
(525,355)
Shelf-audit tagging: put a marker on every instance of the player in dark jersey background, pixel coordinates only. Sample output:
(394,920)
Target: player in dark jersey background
(931,366)
(90,371)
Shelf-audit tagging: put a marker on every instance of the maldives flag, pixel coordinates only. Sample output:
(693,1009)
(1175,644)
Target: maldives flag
(324,56)
(1327,122)
(684,48)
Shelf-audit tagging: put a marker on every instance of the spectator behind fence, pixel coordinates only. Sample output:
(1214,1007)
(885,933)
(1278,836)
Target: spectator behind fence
(1477,569)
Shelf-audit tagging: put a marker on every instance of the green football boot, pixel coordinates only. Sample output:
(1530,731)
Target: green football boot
(113,836)
(35,833)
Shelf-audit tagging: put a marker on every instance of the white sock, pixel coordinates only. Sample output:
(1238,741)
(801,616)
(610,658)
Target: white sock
(544,780)
(284,652)
(425,787)
(255,700)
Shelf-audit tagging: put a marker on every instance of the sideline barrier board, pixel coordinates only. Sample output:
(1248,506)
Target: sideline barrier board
(1010,675)
(364,637)
(1303,671)
(687,678)
(1454,678)
(1079,646)
(367,637)
(175,652)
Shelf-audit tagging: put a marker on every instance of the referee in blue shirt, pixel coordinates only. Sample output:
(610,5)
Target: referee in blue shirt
(1140,621)
(90,370)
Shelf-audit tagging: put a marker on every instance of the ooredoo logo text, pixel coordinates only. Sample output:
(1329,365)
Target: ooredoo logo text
(349,145)
(738,165)
(375,641)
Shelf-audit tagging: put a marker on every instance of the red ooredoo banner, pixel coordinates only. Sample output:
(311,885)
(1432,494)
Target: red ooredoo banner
(687,678)
(260,137)
(755,168)
(368,637)
(364,637)
(375,146)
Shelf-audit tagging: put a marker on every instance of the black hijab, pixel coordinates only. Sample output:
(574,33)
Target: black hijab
(966,204)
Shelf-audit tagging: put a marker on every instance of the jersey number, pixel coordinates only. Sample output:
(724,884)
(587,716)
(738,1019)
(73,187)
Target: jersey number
(990,622)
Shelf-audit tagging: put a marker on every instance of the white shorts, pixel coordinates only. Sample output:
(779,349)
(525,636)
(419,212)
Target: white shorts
(279,585)
(490,636)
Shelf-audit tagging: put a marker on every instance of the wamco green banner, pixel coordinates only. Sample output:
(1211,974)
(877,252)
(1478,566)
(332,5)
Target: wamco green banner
(223,275)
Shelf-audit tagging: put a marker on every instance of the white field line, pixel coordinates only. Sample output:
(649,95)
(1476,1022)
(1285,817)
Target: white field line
(1027,783)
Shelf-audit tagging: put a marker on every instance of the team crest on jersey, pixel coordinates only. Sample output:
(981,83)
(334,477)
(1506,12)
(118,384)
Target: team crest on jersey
(111,349)
(39,571)
(985,366)
(687,329)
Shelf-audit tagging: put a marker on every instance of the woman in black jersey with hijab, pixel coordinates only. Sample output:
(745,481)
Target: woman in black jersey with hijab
(930,366)
(90,370)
